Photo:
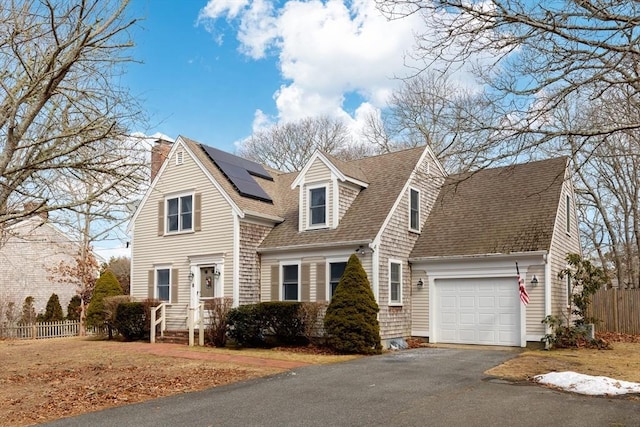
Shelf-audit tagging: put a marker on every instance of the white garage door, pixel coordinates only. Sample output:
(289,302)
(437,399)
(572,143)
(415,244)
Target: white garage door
(477,311)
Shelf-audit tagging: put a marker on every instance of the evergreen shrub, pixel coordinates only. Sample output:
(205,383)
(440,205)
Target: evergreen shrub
(131,321)
(351,323)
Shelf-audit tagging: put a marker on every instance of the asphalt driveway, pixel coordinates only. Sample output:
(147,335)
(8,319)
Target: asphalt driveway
(422,387)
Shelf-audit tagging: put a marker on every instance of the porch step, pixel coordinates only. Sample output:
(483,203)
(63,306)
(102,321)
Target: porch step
(177,337)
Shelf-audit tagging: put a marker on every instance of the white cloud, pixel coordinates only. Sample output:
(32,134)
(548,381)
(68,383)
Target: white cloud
(326,50)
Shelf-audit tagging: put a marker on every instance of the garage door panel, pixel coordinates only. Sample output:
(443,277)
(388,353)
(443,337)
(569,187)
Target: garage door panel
(467,302)
(467,319)
(477,311)
(486,318)
(486,302)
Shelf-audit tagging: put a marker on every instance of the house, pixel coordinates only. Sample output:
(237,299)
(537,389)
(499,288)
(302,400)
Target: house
(29,250)
(213,224)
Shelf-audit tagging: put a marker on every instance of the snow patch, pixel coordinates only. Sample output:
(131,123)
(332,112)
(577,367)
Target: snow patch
(587,384)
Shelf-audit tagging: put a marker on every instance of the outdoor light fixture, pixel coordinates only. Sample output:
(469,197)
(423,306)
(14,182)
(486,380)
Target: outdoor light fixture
(420,283)
(191,276)
(534,281)
(216,272)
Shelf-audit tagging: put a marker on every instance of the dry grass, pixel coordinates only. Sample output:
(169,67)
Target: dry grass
(621,363)
(43,380)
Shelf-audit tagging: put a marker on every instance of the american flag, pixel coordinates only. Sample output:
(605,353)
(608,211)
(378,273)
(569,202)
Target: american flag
(524,296)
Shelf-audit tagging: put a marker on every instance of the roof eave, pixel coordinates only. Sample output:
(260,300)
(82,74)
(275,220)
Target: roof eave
(433,259)
(307,246)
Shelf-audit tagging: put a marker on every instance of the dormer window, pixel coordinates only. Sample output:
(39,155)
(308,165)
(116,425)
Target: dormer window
(318,207)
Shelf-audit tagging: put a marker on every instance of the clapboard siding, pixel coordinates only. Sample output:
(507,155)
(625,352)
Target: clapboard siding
(562,243)
(216,235)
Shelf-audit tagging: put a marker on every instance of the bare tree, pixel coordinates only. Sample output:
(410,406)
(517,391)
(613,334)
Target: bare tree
(62,111)
(430,109)
(532,56)
(288,146)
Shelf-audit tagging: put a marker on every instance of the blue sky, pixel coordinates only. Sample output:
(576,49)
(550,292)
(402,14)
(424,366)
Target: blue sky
(217,70)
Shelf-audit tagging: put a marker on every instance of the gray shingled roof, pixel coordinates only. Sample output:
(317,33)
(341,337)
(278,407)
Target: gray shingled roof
(386,174)
(499,210)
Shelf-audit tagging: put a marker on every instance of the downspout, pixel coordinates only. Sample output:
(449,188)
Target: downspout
(547,294)
(236,260)
(375,271)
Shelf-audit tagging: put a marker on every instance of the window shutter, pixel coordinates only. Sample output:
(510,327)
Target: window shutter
(161,218)
(275,283)
(321,282)
(197,212)
(305,278)
(174,285)
(151,284)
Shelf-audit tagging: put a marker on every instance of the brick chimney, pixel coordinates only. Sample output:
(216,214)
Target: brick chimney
(159,153)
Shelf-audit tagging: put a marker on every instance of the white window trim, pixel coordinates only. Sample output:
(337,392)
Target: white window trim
(330,261)
(415,230)
(326,206)
(399,302)
(156,268)
(297,263)
(166,212)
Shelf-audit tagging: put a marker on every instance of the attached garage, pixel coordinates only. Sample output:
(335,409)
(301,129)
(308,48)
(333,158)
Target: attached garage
(482,311)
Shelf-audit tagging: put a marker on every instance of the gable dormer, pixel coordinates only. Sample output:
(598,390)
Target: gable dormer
(327,187)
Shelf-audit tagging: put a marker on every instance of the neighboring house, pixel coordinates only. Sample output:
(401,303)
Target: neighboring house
(215,225)
(28,251)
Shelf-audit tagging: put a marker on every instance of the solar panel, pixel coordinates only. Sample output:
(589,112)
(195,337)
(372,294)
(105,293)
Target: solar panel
(238,171)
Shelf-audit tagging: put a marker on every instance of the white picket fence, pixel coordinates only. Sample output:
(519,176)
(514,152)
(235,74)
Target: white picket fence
(65,328)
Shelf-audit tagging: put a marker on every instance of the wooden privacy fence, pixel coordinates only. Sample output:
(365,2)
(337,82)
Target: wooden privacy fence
(65,328)
(618,310)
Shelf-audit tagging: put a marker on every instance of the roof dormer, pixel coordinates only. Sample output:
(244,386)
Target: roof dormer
(327,188)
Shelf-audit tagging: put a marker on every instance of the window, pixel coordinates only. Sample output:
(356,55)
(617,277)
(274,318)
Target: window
(568,212)
(318,206)
(336,270)
(163,283)
(395,283)
(180,214)
(414,210)
(290,282)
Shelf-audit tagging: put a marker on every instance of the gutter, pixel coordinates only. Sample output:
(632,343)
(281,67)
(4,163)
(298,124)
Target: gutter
(313,246)
(477,256)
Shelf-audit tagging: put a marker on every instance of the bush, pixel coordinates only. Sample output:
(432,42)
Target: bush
(267,323)
(585,279)
(311,315)
(53,312)
(217,312)
(245,327)
(73,309)
(131,320)
(351,323)
(107,285)
(282,322)
(28,311)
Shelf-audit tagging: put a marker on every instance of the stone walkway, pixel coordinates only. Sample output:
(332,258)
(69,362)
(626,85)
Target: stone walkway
(196,353)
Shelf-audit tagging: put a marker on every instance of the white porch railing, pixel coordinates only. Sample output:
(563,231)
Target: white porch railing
(155,321)
(193,323)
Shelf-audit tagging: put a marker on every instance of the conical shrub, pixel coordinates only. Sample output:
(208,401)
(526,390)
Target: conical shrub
(53,312)
(107,285)
(351,322)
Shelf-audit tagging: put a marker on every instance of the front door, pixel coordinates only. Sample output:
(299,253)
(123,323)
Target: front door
(202,285)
